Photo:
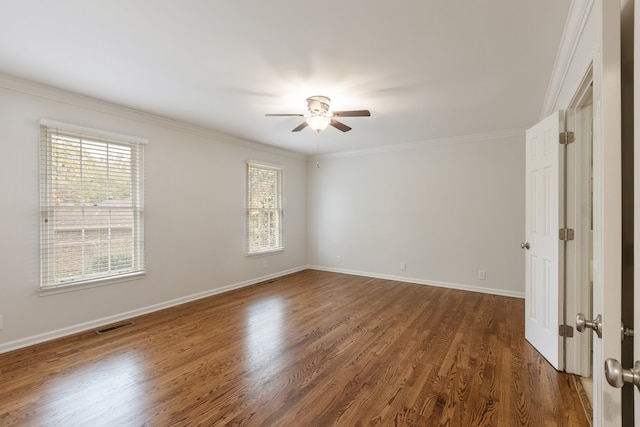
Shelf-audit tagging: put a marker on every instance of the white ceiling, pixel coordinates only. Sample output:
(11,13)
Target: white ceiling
(425,69)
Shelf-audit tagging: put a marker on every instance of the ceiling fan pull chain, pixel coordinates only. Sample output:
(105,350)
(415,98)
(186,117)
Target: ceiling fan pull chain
(318,149)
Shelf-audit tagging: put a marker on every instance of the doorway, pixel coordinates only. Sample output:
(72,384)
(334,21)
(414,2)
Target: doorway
(559,233)
(580,178)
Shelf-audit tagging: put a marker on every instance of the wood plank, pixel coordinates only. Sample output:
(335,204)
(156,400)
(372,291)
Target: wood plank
(312,348)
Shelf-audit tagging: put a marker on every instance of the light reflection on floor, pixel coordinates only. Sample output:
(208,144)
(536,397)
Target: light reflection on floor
(115,381)
(265,322)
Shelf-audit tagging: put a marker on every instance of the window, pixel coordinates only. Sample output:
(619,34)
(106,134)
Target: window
(264,208)
(91,205)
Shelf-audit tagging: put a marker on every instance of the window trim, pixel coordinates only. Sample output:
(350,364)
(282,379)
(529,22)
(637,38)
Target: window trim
(47,127)
(89,284)
(281,247)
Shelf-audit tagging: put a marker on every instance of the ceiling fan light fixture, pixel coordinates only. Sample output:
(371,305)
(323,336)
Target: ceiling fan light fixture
(318,123)
(319,116)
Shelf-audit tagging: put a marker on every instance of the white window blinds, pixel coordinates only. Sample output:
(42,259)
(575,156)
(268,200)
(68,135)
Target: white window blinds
(91,205)
(264,208)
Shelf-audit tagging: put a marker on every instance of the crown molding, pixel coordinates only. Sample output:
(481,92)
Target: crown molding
(579,12)
(463,139)
(51,93)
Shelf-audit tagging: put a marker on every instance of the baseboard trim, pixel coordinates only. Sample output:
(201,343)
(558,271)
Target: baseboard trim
(98,323)
(461,287)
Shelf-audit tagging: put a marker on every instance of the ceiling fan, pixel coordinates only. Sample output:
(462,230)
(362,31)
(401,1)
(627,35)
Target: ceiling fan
(319,116)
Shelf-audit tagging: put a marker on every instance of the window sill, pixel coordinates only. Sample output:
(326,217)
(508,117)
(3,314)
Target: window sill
(264,253)
(72,287)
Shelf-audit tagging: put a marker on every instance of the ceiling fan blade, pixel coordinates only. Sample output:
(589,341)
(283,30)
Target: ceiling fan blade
(338,125)
(354,113)
(300,127)
(291,114)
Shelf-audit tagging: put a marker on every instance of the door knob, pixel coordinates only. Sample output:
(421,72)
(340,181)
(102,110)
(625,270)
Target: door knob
(525,245)
(617,376)
(582,323)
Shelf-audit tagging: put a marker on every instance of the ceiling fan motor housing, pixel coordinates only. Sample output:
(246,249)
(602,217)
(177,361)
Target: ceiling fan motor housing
(318,105)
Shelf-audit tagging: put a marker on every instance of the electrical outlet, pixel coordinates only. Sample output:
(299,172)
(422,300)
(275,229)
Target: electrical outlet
(403,266)
(482,275)
(339,259)
(265,264)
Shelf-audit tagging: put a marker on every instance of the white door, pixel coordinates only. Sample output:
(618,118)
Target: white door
(607,210)
(543,265)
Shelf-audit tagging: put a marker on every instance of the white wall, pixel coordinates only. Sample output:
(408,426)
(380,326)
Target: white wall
(194,213)
(446,209)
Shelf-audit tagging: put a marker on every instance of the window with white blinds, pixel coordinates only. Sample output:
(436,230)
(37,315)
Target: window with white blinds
(91,205)
(265,189)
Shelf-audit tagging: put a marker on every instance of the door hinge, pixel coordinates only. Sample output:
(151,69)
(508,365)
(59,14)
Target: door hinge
(567,137)
(566,234)
(565,331)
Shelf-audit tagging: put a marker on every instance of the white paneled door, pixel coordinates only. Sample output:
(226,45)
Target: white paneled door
(543,265)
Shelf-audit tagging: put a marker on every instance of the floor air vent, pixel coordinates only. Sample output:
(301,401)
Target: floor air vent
(114,328)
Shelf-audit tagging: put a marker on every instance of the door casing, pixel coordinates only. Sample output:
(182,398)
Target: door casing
(579,253)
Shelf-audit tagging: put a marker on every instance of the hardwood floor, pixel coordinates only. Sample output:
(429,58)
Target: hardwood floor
(310,349)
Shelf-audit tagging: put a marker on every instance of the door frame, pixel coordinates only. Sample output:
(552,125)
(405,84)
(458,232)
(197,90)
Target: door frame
(636,200)
(607,206)
(578,256)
